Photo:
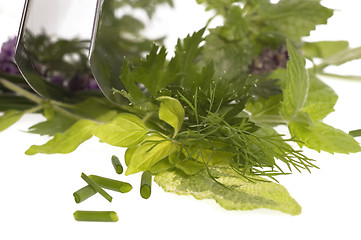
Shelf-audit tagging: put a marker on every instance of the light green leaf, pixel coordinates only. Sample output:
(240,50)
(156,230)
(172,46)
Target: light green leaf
(9,118)
(207,156)
(293,18)
(171,111)
(125,130)
(264,110)
(320,99)
(320,136)
(323,49)
(59,124)
(244,195)
(68,141)
(341,57)
(296,87)
(188,166)
(152,150)
(96,108)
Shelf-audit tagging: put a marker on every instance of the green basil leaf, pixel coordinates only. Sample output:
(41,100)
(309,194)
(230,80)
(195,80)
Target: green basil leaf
(172,112)
(320,136)
(152,150)
(125,130)
(9,118)
(68,141)
(296,86)
(241,194)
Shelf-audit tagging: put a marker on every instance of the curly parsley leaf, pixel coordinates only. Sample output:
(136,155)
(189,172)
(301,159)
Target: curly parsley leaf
(241,194)
(68,141)
(125,130)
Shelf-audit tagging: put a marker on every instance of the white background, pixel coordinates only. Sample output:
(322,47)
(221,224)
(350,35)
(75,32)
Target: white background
(36,199)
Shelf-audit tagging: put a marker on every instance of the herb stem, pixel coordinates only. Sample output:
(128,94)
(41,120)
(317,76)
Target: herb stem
(67,113)
(13,87)
(346,77)
(34,109)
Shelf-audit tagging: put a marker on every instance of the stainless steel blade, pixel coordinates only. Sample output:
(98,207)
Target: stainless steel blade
(58,19)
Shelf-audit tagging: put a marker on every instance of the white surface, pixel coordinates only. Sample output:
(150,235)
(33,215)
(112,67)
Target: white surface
(36,199)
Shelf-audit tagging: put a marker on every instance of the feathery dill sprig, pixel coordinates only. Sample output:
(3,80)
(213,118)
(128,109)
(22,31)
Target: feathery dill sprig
(248,149)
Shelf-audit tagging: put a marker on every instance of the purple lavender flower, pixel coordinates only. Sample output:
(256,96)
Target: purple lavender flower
(82,82)
(269,60)
(7,57)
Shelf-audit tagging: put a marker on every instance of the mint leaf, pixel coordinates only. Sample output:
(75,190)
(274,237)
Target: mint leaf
(265,109)
(172,112)
(152,150)
(293,18)
(66,142)
(320,136)
(125,130)
(296,86)
(341,57)
(320,99)
(229,46)
(323,49)
(244,195)
(9,118)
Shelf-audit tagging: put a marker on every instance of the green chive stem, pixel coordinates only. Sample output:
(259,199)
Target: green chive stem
(96,216)
(96,187)
(355,133)
(111,184)
(83,193)
(146,185)
(117,165)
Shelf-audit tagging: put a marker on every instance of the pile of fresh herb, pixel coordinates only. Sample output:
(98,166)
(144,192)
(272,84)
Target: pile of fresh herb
(202,122)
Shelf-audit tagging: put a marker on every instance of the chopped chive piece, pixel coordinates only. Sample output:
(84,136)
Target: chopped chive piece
(355,133)
(146,185)
(96,216)
(111,184)
(96,187)
(117,165)
(83,194)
